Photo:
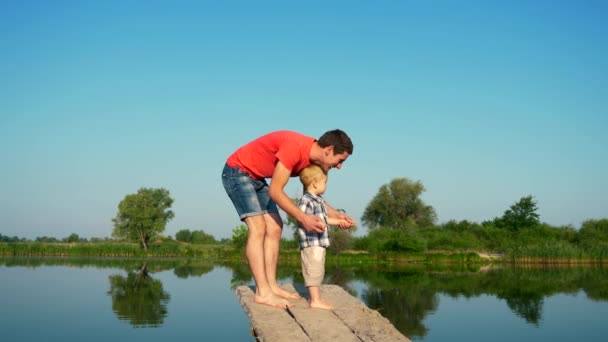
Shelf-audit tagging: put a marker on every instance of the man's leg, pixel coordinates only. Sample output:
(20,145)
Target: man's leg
(255,251)
(272,241)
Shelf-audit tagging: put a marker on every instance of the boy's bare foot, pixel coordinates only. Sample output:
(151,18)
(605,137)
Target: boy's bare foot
(272,300)
(320,304)
(285,294)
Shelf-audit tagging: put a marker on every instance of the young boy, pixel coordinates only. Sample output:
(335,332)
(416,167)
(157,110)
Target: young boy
(312,244)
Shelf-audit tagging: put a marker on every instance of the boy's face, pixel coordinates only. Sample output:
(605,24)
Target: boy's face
(321,184)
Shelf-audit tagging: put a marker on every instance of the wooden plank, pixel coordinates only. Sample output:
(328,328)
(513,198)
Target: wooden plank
(351,320)
(270,324)
(366,323)
(319,324)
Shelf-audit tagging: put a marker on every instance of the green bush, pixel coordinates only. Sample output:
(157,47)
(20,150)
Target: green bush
(493,239)
(341,240)
(184,235)
(451,240)
(289,244)
(594,233)
(395,240)
(200,237)
(239,236)
(361,243)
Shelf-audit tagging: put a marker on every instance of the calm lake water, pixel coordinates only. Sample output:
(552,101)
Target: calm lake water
(160,300)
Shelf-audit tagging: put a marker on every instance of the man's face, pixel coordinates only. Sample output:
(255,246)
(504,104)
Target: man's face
(332,160)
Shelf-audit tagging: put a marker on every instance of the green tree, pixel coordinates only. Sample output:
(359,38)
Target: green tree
(142,216)
(594,234)
(239,236)
(202,238)
(72,238)
(47,239)
(398,205)
(4,238)
(520,215)
(184,235)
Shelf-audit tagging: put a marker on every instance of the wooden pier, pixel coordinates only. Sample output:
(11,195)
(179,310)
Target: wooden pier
(351,320)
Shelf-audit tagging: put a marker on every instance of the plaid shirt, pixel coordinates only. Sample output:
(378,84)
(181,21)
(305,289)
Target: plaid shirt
(311,204)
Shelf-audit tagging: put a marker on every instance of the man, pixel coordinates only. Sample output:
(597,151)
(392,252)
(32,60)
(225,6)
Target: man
(278,155)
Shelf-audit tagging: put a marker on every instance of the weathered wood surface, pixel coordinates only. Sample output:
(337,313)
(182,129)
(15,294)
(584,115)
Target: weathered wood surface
(351,320)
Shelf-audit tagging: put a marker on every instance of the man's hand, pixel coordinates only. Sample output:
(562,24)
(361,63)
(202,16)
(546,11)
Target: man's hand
(313,224)
(347,221)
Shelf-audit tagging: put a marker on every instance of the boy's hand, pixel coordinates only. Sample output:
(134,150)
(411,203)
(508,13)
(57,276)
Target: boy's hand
(345,224)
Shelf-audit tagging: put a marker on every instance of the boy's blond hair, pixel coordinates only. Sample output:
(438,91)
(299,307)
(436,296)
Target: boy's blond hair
(310,173)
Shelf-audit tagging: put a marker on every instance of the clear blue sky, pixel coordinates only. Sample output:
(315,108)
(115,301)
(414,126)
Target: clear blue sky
(484,102)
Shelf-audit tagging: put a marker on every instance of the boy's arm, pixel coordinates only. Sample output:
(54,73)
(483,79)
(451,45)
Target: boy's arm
(334,214)
(342,223)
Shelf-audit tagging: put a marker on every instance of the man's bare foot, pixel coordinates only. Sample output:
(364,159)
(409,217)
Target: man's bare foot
(320,304)
(272,300)
(285,294)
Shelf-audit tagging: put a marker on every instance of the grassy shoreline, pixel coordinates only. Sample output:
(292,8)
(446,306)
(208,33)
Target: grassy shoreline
(225,252)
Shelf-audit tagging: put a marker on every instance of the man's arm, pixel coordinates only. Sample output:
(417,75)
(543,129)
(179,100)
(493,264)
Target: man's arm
(280,177)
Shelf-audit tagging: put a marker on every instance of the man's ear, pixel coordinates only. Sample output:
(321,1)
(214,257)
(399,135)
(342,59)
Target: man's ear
(328,149)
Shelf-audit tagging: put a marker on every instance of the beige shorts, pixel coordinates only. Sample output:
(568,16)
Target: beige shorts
(313,265)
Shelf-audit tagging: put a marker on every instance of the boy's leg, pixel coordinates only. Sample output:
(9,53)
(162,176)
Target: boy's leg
(313,269)
(315,299)
(315,293)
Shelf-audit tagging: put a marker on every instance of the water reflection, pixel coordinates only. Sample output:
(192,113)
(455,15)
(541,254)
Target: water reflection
(139,298)
(406,295)
(192,269)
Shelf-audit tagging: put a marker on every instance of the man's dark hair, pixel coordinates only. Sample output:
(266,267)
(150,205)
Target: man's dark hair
(338,139)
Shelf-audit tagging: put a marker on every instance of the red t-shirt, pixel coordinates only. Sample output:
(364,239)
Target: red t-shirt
(259,157)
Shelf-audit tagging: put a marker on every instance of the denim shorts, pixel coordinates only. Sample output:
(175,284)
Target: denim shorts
(250,197)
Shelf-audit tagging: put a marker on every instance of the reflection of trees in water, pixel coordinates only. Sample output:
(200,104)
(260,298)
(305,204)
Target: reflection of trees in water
(595,284)
(527,306)
(292,272)
(195,269)
(407,307)
(406,295)
(139,298)
(403,294)
(341,276)
(241,274)
(523,291)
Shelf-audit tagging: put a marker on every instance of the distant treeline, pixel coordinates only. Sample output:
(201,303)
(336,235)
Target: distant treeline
(46,239)
(537,242)
(401,226)
(118,249)
(540,242)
